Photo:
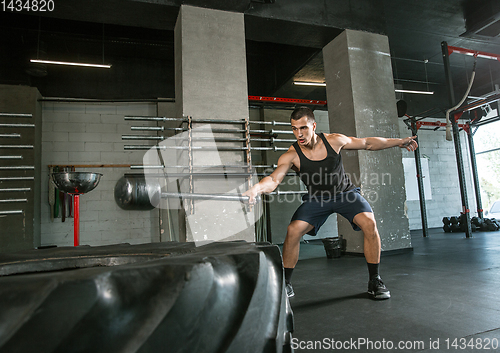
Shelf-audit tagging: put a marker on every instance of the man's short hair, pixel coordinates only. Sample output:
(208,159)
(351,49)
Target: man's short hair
(300,112)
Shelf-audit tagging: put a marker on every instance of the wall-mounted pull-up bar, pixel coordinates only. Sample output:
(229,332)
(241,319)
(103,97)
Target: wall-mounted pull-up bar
(474,105)
(470,52)
(438,124)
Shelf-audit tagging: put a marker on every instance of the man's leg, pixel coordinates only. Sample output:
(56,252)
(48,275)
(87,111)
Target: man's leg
(291,246)
(296,229)
(366,221)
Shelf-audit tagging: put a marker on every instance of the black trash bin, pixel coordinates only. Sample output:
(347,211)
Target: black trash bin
(333,247)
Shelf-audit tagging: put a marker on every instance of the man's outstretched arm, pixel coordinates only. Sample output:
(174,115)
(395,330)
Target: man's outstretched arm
(378,143)
(271,182)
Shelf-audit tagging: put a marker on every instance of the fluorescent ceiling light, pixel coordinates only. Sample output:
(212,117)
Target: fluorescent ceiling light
(69,63)
(417,92)
(321,84)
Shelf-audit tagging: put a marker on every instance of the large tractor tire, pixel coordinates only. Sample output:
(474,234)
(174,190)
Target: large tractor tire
(163,297)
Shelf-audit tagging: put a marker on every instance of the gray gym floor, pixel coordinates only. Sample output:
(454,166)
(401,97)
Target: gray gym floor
(447,288)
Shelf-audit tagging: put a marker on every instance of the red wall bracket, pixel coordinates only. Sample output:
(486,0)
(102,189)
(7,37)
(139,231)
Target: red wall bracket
(285,100)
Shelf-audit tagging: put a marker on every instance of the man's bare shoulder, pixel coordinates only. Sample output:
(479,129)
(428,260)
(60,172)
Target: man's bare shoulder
(288,157)
(337,139)
(291,149)
(290,154)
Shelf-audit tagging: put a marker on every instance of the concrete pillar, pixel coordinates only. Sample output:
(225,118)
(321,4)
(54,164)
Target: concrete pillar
(362,103)
(211,83)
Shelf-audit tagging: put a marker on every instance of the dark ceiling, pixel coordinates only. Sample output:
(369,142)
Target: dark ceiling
(284,42)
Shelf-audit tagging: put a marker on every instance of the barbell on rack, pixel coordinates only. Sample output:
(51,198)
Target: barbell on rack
(203,148)
(16,178)
(13,135)
(162,128)
(217,139)
(12,200)
(206,121)
(13,115)
(17,167)
(17,125)
(5,213)
(16,146)
(15,190)
(11,157)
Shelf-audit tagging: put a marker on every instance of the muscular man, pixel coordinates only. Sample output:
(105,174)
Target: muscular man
(317,160)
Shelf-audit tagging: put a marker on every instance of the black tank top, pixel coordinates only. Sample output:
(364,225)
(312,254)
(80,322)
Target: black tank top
(326,176)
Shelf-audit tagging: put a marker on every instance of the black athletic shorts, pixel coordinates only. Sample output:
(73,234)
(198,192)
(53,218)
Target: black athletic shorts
(315,210)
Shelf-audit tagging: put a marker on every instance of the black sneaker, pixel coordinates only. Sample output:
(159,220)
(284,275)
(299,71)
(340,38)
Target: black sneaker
(377,289)
(289,290)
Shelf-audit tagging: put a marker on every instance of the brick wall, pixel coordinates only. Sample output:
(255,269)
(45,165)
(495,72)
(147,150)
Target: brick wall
(90,133)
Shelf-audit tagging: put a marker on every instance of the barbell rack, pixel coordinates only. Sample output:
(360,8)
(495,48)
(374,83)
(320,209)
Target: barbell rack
(187,144)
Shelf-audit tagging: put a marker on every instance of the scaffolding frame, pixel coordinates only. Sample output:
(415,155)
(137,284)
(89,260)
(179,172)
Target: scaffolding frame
(470,127)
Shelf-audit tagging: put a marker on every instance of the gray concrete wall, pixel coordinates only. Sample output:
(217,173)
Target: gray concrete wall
(211,83)
(361,103)
(20,231)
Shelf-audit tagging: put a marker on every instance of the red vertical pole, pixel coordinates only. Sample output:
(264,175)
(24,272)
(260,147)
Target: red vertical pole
(76,215)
